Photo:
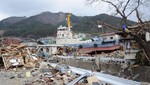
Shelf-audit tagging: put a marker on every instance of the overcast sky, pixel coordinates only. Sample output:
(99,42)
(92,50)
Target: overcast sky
(32,7)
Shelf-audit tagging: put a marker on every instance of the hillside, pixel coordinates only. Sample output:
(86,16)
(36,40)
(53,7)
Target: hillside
(46,23)
(9,21)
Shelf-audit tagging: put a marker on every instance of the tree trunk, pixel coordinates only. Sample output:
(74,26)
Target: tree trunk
(144,45)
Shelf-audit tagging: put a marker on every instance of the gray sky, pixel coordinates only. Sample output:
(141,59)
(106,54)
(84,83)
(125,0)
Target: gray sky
(32,7)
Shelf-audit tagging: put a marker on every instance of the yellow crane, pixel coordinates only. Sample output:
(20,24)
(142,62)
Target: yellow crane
(68,20)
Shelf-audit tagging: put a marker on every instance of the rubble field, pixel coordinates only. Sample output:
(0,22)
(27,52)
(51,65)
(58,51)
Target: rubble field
(23,66)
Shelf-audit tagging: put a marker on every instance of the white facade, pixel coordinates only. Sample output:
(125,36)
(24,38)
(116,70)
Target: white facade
(49,49)
(65,36)
(68,41)
(111,37)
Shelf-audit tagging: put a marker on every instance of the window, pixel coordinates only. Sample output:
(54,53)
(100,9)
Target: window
(111,37)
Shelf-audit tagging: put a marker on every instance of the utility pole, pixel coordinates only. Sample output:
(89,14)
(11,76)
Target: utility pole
(100,26)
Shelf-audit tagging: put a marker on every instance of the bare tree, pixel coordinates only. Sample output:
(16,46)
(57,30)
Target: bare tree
(126,8)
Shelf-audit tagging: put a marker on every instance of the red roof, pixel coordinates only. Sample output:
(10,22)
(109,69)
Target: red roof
(88,50)
(8,41)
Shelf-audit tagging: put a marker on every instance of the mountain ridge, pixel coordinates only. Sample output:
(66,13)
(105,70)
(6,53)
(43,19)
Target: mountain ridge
(46,23)
(10,20)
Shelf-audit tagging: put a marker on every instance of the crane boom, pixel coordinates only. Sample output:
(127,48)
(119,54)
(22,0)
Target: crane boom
(68,20)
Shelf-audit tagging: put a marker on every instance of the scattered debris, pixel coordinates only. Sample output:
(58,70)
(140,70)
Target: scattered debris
(30,69)
(18,55)
(92,80)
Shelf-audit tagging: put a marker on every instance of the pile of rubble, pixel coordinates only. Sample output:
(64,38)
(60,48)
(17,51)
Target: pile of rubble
(45,74)
(30,69)
(18,55)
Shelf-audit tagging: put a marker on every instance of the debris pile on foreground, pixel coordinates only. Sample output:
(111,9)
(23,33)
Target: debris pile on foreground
(45,74)
(24,66)
(18,55)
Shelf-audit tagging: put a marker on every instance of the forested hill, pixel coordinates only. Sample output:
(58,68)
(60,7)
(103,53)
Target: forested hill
(46,23)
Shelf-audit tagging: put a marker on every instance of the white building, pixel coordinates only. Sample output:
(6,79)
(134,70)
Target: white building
(50,49)
(66,36)
(107,37)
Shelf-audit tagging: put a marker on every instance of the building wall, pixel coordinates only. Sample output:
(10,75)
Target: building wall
(68,41)
(64,34)
(110,37)
(50,50)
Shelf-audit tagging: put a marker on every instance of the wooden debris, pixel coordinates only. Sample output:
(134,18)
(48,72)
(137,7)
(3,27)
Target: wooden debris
(18,55)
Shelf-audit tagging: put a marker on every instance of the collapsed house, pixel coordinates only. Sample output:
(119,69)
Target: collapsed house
(18,55)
